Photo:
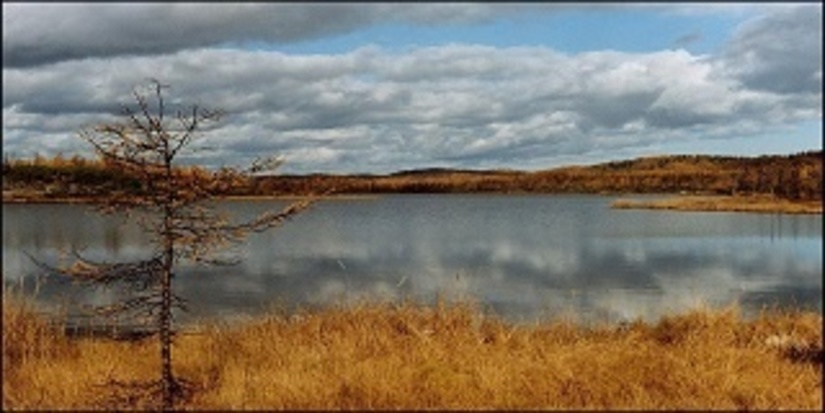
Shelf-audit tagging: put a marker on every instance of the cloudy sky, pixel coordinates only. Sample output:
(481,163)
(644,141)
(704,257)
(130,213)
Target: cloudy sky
(381,87)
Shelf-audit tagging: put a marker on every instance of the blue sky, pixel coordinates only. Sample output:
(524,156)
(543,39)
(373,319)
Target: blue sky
(379,87)
(573,31)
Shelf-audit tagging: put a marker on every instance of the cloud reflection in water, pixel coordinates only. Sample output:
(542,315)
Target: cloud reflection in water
(522,257)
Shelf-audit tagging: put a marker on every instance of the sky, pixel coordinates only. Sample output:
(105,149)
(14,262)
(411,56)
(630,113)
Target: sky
(383,87)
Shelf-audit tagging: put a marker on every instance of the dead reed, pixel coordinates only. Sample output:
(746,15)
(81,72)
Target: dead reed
(756,203)
(409,356)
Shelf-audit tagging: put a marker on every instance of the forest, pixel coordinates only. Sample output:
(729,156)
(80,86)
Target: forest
(794,177)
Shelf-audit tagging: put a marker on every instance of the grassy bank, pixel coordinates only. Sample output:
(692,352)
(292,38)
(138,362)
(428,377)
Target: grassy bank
(383,356)
(757,203)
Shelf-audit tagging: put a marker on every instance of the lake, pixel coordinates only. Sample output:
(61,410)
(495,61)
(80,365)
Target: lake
(521,257)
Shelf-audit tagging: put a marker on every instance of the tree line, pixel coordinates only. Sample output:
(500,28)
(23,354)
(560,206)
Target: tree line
(796,177)
(100,177)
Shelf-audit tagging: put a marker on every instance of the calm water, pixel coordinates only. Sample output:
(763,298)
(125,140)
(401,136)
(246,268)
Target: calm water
(524,257)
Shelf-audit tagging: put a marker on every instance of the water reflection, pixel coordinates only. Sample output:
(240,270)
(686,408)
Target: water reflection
(522,257)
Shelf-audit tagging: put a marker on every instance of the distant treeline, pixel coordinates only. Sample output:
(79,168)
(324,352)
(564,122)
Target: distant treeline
(79,177)
(59,176)
(796,177)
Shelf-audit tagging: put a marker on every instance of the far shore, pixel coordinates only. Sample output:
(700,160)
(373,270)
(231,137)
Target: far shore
(752,203)
(334,197)
(759,203)
(41,199)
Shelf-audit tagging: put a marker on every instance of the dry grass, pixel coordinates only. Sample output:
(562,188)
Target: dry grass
(756,203)
(385,356)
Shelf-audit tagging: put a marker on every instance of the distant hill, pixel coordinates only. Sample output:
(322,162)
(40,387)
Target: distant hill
(445,171)
(796,177)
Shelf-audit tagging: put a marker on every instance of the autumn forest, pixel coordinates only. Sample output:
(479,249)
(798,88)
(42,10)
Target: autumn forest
(793,177)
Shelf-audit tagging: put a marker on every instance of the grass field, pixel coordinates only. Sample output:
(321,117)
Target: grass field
(408,356)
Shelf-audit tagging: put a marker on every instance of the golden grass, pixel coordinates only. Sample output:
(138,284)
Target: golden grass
(408,356)
(755,203)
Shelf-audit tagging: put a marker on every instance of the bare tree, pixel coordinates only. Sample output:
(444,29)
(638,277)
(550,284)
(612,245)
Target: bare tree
(171,205)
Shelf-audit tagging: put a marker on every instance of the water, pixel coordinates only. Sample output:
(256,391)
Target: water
(522,257)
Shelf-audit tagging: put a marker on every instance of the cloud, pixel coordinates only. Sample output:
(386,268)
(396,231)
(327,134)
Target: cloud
(779,52)
(688,39)
(460,104)
(455,105)
(35,34)
(76,31)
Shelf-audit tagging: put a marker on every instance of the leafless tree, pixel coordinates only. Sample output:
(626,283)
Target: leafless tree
(171,205)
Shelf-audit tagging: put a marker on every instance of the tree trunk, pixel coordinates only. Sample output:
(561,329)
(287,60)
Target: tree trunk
(167,379)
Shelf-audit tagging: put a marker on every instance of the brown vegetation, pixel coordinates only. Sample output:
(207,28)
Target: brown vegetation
(756,203)
(795,177)
(386,356)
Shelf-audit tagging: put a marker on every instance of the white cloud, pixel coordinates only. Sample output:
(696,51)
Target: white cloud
(35,34)
(461,105)
(779,52)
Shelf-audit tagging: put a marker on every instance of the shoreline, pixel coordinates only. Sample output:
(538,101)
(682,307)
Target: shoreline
(747,204)
(688,203)
(341,197)
(13,199)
